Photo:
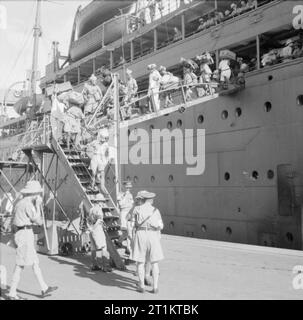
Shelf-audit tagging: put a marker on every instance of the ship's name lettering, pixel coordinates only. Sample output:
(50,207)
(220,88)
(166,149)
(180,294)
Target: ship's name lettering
(298,19)
(188,147)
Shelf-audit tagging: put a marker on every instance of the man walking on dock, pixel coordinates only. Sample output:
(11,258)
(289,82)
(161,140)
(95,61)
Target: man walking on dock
(27,212)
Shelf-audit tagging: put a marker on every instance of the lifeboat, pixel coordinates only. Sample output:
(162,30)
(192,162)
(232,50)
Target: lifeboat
(102,21)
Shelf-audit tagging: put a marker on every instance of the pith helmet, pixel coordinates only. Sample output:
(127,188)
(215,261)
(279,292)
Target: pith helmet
(288,42)
(32,187)
(93,78)
(127,184)
(152,66)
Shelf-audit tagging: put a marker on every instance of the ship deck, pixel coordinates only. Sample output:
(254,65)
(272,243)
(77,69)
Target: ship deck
(192,269)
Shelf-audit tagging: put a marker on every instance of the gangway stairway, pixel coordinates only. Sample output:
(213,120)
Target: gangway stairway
(77,169)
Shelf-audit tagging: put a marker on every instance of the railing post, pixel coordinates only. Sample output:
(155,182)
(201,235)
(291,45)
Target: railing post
(183,26)
(258,51)
(155,39)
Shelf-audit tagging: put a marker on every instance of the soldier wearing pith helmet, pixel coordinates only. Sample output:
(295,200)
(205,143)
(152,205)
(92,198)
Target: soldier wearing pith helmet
(27,212)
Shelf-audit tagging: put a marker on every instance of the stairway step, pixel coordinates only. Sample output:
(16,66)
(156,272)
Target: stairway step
(76,164)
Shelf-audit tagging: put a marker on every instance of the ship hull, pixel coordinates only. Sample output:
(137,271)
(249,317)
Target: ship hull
(251,189)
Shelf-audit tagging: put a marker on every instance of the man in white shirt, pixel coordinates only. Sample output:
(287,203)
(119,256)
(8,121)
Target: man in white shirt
(27,212)
(154,86)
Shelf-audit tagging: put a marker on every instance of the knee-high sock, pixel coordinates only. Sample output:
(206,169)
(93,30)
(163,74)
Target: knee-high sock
(38,274)
(141,273)
(15,281)
(155,268)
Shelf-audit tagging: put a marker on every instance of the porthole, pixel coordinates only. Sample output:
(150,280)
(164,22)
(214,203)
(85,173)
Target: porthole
(270,174)
(238,112)
(267,106)
(200,119)
(255,175)
(224,115)
(135,179)
(229,231)
(179,123)
(300,100)
(203,228)
(227,176)
(152,179)
(270,77)
(169,125)
(171,178)
(289,237)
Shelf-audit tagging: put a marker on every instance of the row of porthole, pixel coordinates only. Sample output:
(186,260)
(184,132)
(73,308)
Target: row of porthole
(227,176)
(254,175)
(228,230)
(152,178)
(224,114)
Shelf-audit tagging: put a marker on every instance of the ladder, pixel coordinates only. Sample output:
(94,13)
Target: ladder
(76,167)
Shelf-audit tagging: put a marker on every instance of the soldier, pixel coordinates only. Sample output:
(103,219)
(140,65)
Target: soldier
(72,126)
(99,160)
(27,212)
(146,245)
(225,72)
(154,86)
(97,235)
(92,95)
(125,201)
(131,90)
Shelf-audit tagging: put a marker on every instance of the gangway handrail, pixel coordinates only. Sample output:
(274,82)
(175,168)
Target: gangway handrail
(101,103)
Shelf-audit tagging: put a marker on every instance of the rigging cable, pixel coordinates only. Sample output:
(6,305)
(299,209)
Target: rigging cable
(26,39)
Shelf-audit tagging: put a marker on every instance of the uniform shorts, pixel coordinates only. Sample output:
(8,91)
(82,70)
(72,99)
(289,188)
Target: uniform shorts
(147,247)
(26,254)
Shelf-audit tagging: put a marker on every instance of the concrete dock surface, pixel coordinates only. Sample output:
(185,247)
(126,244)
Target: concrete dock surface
(192,269)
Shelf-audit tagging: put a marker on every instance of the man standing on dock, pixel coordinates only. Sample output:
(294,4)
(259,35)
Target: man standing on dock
(27,212)
(126,202)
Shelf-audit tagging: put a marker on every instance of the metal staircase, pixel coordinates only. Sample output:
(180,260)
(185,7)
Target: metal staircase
(76,166)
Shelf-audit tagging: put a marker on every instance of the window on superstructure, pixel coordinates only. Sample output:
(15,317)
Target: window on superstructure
(246,52)
(280,45)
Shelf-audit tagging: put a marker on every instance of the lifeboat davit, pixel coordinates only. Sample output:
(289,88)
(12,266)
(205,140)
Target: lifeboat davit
(90,22)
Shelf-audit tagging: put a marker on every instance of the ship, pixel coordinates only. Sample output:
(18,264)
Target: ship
(251,189)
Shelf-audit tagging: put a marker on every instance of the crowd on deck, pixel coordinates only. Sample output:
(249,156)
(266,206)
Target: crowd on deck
(148,14)
(292,49)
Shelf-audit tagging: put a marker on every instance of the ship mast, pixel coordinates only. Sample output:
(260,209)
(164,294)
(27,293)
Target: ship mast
(37,35)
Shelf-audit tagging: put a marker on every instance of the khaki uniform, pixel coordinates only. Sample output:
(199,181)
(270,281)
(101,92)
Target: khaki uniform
(126,202)
(95,224)
(25,214)
(146,244)
(92,95)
